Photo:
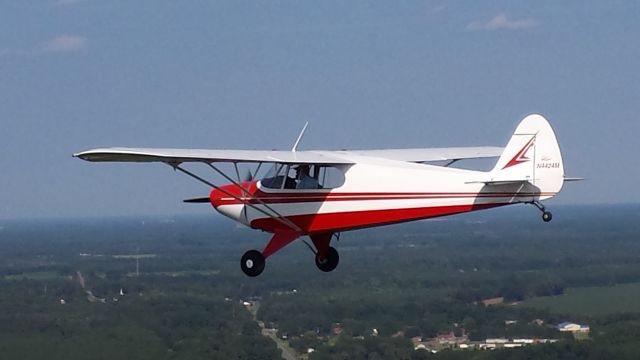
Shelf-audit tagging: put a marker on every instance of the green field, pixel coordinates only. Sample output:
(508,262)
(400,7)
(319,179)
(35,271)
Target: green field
(599,300)
(36,275)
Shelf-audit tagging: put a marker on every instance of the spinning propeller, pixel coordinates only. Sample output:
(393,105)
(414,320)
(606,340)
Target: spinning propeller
(247,176)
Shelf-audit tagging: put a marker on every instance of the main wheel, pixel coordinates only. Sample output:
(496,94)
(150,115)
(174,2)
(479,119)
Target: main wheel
(252,263)
(546,216)
(330,262)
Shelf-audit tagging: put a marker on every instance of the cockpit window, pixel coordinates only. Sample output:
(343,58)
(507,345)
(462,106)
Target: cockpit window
(303,176)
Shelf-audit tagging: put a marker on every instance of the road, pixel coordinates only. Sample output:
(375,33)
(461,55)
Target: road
(287,352)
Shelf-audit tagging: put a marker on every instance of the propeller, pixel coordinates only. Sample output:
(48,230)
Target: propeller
(247,176)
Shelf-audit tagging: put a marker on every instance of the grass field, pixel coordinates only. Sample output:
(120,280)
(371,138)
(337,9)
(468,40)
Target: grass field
(592,300)
(36,275)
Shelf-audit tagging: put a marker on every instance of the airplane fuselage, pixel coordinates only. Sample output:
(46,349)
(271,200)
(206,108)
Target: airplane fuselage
(375,192)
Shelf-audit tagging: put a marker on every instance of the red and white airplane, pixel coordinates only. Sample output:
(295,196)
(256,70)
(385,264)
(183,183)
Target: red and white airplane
(336,191)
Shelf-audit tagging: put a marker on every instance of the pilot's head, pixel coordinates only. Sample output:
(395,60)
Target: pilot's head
(302,170)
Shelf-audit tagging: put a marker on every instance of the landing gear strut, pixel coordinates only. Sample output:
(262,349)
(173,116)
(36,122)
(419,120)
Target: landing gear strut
(546,215)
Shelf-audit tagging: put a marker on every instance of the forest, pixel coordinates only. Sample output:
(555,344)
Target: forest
(171,288)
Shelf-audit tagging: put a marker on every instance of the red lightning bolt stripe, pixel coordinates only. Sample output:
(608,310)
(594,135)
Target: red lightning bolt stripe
(519,157)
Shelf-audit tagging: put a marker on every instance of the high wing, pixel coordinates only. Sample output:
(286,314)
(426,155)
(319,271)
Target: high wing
(202,155)
(285,157)
(432,154)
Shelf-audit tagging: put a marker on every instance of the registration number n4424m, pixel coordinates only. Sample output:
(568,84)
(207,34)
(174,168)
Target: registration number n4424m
(553,165)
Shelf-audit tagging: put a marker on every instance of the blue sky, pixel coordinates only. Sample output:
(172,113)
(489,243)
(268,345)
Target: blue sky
(78,74)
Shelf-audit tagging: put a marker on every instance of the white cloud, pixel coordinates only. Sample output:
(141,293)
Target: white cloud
(501,21)
(65,43)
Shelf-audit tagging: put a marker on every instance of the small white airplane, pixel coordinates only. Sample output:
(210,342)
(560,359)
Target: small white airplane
(337,191)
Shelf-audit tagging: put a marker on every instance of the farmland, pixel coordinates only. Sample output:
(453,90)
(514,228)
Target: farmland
(593,300)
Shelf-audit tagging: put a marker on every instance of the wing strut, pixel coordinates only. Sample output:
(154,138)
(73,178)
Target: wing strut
(278,218)
(451,162)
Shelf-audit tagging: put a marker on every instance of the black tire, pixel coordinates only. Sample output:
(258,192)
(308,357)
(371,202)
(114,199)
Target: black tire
(547,216)
(330,262)
(252,263)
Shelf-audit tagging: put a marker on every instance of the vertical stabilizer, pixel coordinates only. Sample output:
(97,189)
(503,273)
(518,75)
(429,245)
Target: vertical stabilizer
(532,155)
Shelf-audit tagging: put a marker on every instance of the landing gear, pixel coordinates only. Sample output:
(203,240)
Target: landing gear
(330,261)
(546,215)
(252,263)
(327,258)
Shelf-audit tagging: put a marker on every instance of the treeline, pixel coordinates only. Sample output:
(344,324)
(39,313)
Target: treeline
(358,315)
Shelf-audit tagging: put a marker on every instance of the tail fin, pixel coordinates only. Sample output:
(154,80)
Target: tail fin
(532,155)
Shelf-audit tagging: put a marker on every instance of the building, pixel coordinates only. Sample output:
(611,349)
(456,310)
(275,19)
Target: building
(337,329)
(523,341)
(573,327)
(497,341)
(493,301)
(538,322)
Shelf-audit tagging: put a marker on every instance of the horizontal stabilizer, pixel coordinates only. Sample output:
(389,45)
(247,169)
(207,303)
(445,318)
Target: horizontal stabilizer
(573,179)
(499,182)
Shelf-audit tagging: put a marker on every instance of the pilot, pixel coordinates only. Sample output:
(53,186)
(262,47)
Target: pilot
(304,180)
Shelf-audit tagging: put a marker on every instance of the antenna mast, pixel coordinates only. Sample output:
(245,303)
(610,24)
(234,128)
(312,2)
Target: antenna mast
(295,146)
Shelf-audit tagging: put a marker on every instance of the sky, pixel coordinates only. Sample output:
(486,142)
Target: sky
(80,74)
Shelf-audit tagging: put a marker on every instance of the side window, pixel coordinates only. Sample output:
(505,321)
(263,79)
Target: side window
(279,177)
(303,176)
(330,177)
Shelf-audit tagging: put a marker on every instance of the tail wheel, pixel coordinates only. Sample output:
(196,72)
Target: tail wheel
(546,216)
(330,262)
(252,263)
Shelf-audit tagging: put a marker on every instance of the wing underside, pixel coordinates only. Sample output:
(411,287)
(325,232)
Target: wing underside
(285,157)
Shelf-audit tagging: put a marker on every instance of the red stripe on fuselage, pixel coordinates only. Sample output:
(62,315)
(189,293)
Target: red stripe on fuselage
(253,195)
(350,220)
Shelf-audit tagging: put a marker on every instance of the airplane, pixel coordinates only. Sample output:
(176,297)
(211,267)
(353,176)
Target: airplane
(338,191)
